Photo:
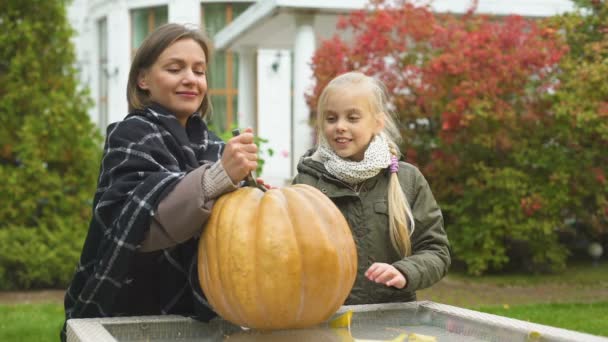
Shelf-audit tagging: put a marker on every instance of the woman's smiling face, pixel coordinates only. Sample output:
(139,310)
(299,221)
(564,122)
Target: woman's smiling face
(350,122)
(177,79)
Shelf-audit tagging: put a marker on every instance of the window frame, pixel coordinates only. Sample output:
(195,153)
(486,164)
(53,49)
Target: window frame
(151,21)
(230,90)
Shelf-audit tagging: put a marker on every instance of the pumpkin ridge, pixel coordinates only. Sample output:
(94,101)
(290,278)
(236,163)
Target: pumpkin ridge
(312,194)
(209,283)
(304,269)
(226,227)
(347,253)
(281,241)
(262,310)
(241,255)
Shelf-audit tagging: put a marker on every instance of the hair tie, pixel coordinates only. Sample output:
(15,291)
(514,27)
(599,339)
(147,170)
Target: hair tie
(394,164)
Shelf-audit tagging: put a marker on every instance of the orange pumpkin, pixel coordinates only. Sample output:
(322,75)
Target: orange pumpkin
(279,259)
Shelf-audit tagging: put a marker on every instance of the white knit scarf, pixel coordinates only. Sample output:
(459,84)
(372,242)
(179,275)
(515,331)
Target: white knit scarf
(376,158)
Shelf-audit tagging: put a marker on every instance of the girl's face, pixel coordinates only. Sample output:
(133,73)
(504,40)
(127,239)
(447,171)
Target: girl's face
(177,80)
(350,122)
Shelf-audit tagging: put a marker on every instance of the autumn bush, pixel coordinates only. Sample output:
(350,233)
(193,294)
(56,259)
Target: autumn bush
(49,149)
(494,112)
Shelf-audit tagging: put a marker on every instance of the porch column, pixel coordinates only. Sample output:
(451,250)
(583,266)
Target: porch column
(247,113)
(304,48)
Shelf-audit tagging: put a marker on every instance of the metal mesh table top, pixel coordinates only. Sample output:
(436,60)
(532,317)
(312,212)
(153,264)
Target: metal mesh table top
(378,322)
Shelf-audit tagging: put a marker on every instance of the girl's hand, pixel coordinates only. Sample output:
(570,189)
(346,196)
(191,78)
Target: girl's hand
(386,274)
(240,156)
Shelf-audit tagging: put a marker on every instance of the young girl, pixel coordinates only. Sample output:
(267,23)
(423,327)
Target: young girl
(161,171)
(395,220)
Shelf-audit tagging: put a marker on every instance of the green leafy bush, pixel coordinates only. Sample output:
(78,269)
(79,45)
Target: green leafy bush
(49,149)
(581,105)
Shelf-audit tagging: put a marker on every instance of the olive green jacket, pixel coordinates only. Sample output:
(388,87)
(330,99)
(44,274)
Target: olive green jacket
(366,211)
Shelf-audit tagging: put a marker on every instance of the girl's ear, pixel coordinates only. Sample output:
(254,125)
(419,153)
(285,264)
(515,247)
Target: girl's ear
(142,81)
(379,122)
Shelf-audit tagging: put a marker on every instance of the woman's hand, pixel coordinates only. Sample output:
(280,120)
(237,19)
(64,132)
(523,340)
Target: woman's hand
(240,156)
(386,274)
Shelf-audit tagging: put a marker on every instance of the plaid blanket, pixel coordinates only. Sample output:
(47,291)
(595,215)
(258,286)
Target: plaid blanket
(145,155)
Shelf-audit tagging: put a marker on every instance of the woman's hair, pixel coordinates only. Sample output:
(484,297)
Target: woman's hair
(149,51)
(398,208)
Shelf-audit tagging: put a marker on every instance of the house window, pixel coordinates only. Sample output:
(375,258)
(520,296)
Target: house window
(223,69)
(143,22)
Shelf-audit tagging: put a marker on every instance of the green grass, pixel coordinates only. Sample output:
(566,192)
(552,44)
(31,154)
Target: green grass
(30,322)
(580,273)
(588,318)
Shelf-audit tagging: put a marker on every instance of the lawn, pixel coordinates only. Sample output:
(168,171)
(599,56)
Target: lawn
(31,322)
(580,272)
(591,318)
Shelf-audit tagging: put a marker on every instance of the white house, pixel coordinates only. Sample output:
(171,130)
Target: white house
(260,70)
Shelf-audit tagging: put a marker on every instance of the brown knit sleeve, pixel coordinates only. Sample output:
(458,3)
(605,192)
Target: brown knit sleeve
(183,212)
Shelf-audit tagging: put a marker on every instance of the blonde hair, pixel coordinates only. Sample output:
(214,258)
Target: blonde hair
(398,207)
(149,51)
